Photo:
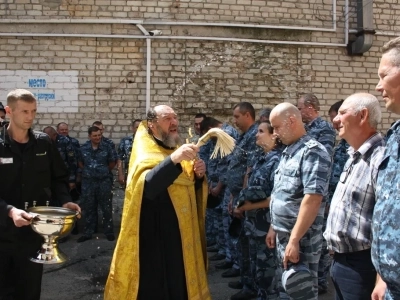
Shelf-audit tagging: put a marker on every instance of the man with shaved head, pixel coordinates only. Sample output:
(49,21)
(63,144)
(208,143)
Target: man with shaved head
(161,249)
(297,205)
(348,230)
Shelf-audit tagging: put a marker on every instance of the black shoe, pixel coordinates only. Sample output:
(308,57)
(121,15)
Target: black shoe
(84,238)
(224,265)
(110,237)
(231,273)
(216,257)
(237,285)
(213,249)
(244,295)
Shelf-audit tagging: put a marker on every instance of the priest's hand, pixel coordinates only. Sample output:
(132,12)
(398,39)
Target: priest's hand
(184,152)
(199,168)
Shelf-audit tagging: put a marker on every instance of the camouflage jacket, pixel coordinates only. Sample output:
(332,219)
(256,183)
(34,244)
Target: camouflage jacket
(385,224)
(323,132)
(96,161)
(259,187)
(340,156)
(68,155)
(111,144)
(218,167)
(304,168)
(243,156)
(124,150)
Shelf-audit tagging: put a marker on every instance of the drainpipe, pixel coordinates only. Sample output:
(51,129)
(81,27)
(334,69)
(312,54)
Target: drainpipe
(365,32)
(148,65)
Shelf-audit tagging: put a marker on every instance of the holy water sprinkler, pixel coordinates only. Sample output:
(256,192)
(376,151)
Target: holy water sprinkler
(225,143)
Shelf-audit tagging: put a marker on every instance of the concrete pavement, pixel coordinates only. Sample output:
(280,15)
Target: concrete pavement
(84,275)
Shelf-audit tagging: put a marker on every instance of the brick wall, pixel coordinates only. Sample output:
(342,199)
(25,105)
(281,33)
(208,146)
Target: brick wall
(100,78)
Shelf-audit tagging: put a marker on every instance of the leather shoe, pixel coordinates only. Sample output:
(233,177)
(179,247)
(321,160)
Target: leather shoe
(244,295)
(84,238)
(216,257)
(237,285)
(213,249)
(224,265)
(231,273)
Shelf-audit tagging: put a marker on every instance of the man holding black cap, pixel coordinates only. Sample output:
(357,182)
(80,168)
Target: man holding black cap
(297,203)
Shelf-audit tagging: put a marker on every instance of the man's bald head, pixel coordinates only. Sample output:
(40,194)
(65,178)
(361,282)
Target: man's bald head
(285,110)
(287,122)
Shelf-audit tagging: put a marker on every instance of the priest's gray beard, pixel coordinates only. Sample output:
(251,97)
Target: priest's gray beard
(168,139)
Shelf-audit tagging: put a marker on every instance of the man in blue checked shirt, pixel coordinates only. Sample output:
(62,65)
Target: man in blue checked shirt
(297,200)
(348,230)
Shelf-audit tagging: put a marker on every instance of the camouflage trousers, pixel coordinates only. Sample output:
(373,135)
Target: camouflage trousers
(247,271)
(260,271)
(96,193)
(230,242)
(211,225)
(310,246)
(325,260)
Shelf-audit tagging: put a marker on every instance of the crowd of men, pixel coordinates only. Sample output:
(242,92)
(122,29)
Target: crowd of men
(326,206)
(292,202)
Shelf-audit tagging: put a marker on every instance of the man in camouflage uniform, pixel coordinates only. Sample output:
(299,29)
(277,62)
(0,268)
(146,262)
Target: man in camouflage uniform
(124,153)
(323,132)
(62,129)
(67,152)
(216,169)
(348,230)
(385,225)
(241,161)
(97,161)
(319,129)
(297,201)
(105,140)
(253,200)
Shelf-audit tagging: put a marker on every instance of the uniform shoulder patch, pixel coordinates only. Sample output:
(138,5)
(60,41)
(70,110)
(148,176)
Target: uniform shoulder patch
(311,143)
(41,136)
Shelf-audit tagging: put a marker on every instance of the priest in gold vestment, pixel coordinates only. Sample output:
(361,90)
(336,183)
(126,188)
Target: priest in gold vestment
(161,251)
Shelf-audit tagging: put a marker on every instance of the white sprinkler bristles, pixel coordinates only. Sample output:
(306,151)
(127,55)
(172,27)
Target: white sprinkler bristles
(225,143)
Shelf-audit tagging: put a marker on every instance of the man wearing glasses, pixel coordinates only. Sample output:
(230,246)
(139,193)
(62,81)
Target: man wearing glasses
(348,231)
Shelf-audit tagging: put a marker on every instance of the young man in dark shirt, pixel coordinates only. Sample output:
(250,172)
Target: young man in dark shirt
(32,170)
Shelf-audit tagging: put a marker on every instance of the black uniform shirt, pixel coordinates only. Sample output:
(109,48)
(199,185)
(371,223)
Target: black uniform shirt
(36,174)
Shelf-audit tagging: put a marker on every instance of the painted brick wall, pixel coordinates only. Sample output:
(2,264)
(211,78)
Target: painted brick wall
(101,78)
